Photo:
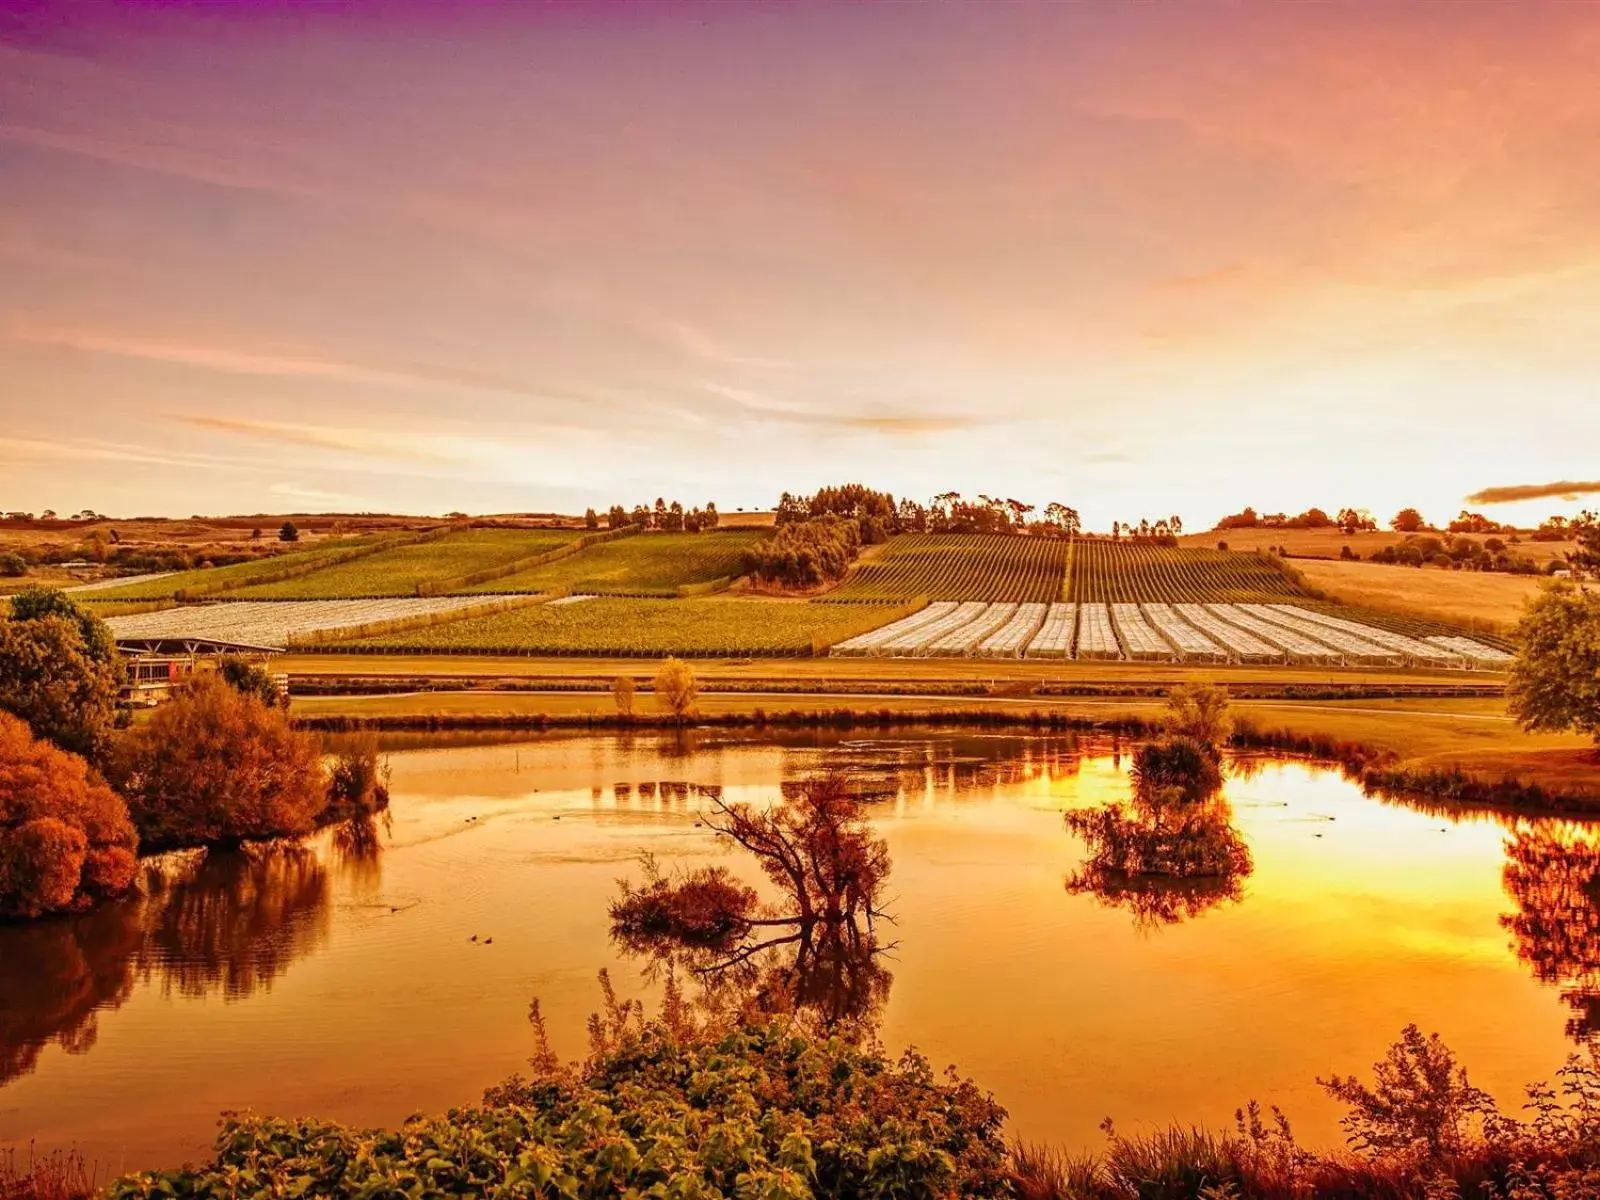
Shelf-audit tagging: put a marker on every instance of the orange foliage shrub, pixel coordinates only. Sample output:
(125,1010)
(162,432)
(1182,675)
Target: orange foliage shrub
(65,837)
(215,766)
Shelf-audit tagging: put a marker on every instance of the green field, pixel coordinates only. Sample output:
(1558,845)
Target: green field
(238,574)
(626,626)
(646,564)
(1138,572)
(955,566)
(397,572)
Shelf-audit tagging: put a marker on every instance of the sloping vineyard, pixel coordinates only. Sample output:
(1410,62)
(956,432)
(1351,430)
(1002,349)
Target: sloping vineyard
(165,587)
(960,567)
(649,564)
(1139,573)
(400,571)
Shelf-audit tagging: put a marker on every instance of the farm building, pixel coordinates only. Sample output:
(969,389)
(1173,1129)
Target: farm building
(158,666)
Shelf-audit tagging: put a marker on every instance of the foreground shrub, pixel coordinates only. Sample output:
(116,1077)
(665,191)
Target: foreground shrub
(65,837)
(215,767)
(658,1110)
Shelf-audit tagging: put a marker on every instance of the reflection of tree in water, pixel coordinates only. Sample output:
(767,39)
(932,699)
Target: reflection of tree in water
(831,975)
(55,976)
(237,921)
(1172,853)
(1553,876)
(204,924)
(815,953)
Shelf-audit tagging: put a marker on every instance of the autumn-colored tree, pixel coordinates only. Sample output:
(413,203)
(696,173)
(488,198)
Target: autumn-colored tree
(60,672)
(65,837)
(676,688)
(215,766)
(622,692)
(1407,520)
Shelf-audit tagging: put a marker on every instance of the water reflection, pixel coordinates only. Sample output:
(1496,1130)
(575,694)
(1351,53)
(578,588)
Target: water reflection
(814,951)
(1352,918)
(233,923)
(1172,852)
(203,924)
(1552,874)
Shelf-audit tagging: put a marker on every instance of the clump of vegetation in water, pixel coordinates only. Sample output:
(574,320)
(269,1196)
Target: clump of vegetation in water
(813,951)
(1172,853)
(358,782)
(215,766)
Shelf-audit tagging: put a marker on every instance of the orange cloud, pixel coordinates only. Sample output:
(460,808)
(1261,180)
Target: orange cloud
(1534,491)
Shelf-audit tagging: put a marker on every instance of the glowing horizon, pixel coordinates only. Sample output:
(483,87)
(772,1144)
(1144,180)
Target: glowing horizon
(492,257)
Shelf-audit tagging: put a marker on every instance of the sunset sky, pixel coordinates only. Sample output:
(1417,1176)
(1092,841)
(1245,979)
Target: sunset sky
(1138,258)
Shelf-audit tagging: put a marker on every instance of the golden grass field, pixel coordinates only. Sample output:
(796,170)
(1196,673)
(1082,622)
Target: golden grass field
(1477,599)
(1327,543)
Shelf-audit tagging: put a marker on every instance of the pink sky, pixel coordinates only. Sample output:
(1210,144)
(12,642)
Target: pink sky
(1137,258)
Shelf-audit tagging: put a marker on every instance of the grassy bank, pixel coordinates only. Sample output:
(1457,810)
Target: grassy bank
(1466,749)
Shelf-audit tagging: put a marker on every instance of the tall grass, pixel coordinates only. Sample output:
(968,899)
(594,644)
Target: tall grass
(59,1175)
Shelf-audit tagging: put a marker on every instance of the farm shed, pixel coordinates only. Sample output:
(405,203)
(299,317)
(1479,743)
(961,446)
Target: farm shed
(159,665)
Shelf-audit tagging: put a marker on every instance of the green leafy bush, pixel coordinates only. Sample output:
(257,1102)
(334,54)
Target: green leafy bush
(663,1111)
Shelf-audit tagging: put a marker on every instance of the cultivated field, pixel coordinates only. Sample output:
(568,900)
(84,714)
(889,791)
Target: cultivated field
(164,587)
(1160,632)
(399,571)
(1137,573)
(629,626)
(646,564)
(276,624)
(1479,599)
(960,567)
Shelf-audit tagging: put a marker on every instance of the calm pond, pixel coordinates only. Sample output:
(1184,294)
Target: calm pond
(347,985)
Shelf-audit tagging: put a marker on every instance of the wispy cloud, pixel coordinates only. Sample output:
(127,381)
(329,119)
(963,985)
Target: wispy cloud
(886,422)
(279,364)
(153,157)
(408,447)
(35,450)
(1564,489)
(699,344)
